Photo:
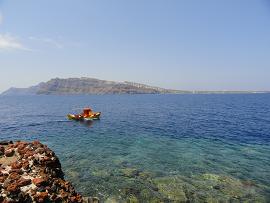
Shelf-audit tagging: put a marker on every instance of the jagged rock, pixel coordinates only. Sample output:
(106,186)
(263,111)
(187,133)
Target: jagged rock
(30,172)
(39,181)
(16,165)
(23,182)
(5,142)
(12,188)
(14,176)
(9,152)
(41,196)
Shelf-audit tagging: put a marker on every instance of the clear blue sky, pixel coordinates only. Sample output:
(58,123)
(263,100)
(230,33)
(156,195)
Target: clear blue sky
(181,44)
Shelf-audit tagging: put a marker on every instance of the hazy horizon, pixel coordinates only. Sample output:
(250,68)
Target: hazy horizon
(266,91)
(185,45)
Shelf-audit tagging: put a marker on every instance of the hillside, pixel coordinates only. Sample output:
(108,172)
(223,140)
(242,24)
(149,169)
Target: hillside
(88,86)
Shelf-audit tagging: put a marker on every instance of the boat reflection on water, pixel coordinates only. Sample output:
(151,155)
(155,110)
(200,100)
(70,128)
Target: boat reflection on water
(87,123)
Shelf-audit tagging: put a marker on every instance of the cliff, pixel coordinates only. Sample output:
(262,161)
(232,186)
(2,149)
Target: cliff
(89,86)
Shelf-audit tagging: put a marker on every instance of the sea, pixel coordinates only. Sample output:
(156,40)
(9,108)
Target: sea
(153,148)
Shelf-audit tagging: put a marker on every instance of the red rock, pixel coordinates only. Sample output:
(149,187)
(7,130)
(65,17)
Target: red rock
(14,176)
(16,165)
(37,143)
(21,145)
(9,152)
(18,143)
(19,171)
(40,150)
(21,151)
(23,182)
(10,146)
(28,154)
(51,187)
(39,181)
(25,165)
(41,196)
(2,179)
(12,188)
(45,158)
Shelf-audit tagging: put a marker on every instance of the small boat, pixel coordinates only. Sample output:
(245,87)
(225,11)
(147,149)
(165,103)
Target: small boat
(87,115)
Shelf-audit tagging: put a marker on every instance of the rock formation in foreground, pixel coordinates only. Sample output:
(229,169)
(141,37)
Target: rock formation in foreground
(31,172)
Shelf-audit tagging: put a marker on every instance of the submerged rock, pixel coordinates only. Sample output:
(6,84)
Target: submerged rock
(132,199)
(172,188)
(207,188)
(130,172)
(231,189)
(31,172)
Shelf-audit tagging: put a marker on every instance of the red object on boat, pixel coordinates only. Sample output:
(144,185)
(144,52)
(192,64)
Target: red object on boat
(86,111)
(87,114)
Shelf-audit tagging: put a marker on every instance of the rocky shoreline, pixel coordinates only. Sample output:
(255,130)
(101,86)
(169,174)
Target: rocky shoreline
(31,172)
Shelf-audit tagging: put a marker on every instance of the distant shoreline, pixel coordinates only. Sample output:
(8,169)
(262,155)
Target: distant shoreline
(186,93)
(93,86)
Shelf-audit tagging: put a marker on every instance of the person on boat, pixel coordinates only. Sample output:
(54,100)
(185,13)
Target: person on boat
(87,112)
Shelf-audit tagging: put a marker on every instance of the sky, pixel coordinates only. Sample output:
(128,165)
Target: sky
(178,44)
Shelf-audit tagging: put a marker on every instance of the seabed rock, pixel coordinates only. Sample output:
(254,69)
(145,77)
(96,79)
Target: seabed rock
(172,188)
(31,172)
(130,172)
(208,188)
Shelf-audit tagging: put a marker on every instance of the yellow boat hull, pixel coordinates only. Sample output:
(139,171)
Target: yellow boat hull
(94,116)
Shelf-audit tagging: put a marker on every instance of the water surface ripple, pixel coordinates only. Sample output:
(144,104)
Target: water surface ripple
(153,147)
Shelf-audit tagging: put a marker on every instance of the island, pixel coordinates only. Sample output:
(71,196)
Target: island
(87,86)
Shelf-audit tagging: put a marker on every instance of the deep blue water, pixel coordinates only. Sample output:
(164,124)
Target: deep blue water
(153,147)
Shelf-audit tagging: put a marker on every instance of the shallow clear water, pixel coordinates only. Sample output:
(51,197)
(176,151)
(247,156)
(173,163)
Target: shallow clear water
(153,147)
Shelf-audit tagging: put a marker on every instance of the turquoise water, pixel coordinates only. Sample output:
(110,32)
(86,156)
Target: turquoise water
(152,148)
